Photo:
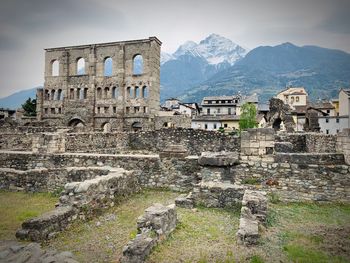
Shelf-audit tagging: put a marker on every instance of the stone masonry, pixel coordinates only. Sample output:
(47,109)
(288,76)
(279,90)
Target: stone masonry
(81,93)
(153,227)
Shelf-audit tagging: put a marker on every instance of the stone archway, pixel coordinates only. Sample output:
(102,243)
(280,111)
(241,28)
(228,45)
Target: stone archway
(277,124)
(76,122)
(136,126)
(107,127)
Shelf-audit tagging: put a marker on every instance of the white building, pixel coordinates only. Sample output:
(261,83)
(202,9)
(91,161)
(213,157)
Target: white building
(294,96)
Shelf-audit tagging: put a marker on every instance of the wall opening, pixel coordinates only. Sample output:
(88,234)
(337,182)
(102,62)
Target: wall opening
(81,66)
(59,94)
(277,124)
(52,94)
(108,67)
(129,92)
(99,93)
(137,65)
(85,93)
(55,68)
(107,127)
(144,92)
(136,126)
(115,92)
(106,91)
(137,92)
(76,122)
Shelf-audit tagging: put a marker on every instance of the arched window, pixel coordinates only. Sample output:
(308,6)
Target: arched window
(106,127)
(129,92)
(59,94)
(106,91)
(47,95)
(81,94)
(115,92)
(144,92)
(78,94)
(80,66)
(55,68)
(108,67)
(137,92)
(297,98)
(137,65)
(52,94)
(85,93)
(99,93)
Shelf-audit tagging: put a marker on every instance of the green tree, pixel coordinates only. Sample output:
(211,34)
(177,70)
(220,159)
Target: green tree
(29,107)
(248,116)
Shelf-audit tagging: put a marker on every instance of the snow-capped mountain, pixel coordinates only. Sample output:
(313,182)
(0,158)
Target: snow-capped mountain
(192,63)
(215,49)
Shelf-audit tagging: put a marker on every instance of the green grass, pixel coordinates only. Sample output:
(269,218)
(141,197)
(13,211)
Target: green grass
(296,232)
(16,207)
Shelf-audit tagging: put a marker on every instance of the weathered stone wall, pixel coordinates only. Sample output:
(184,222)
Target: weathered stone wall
(80,200)
(257,141)
(195,141)
(293,181)
(153,227)
(46,180)
(16,141)
(343,144)
(309,142)
(96,142)
(178,174)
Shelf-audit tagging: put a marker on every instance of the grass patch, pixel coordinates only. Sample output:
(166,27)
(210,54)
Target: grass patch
(16,207)
(256,259)
(251,180)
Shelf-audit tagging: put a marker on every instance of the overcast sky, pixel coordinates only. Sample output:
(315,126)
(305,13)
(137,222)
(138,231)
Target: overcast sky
(29,26)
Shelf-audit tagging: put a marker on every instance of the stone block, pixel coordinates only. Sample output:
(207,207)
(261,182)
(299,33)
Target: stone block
(218,159)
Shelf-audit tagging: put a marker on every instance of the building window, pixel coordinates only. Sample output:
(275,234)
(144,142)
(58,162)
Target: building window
(206,126)
(137,92)
(78,96)
(225,125)
(145,109)
(297,98)
(85,93)
(229,111)
(108,67)
(106,109)
(328,111)
(106,91)
(214,125)
(208,111)
(98,110)
(144,92)
(59,110)
(327,120)
(114,109)
(337,131)
(46,110)
(136,109)
(218,110)
(114,92)
(292,100)
(327,131)
(80,66)
(52,110)
(53,94)
(129,92)
(55,68)
(127,110)
(137,65)
(99,93)
(337,120)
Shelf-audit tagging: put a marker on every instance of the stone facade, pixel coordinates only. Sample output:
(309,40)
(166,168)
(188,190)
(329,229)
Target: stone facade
(80,90)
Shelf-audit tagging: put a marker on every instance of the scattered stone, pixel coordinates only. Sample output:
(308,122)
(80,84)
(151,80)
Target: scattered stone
(185,201)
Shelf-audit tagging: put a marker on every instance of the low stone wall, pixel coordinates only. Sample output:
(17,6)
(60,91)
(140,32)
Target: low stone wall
(96,142)
(295,182)
(310,142)
(80,200)
(253,213)
(218,194)
(177,174)
(310,158)
(16,141)
(195,141)
(46,180)
(153,227)
(343,144)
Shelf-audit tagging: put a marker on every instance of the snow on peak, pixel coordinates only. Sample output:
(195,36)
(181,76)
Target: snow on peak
(214,49)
